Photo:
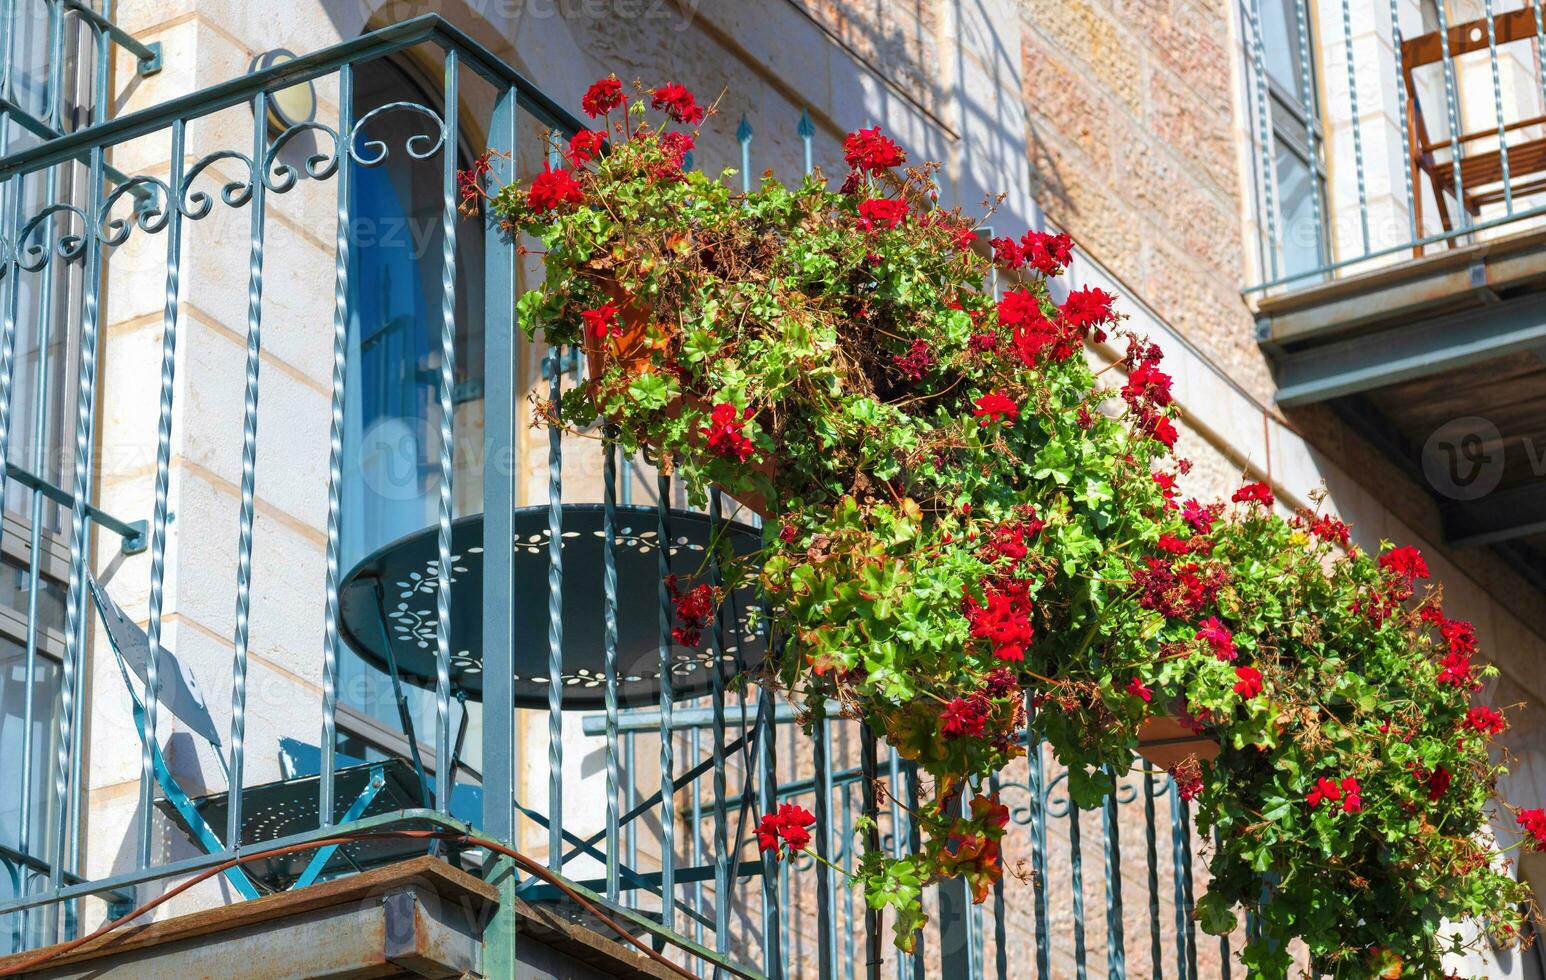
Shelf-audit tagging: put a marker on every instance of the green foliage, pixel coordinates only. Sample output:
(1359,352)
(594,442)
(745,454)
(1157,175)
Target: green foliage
(930,558)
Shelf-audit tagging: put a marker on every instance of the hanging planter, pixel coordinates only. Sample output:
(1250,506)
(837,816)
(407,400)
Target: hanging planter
(962,512)
(1168,742)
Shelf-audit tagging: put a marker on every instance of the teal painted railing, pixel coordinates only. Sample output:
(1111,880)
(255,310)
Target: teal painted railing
(722,753)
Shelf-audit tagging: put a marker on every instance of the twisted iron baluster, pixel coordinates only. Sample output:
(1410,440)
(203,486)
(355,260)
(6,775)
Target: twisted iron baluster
(335,474)
(555,618)
(163,483)
(609,611)
(1156,950)
(667,754)
(443,774)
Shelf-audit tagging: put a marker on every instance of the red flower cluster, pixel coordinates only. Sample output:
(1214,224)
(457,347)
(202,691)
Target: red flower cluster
(1199,517)
(1533,823)
(1167,485)
(725,435)
(879,212)
(1006,541)
(693,609)
(1437,782)
(1455,670)
(1180,591)
(602,97)
(966,716)
(1001,683)
(1003,618)
(585,145)
(1487,720)
(1147,388)
(1253,493)
(598,322)
(1347,791)
(788,533)
(787,826)
(1047,254)
(916,362)
(1404,565)
(1187,779)
(1219,638)
(553,189)
(1139,689)
(678,103)
(1328,528)
(869,151)
(996,406)
(1248,684)
(1085,310)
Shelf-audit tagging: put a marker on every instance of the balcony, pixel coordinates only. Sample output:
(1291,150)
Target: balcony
(1402,186)
(276,657)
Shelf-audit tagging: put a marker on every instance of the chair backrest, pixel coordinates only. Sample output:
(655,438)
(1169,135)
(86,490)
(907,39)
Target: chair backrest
(177,689)
(1428,49)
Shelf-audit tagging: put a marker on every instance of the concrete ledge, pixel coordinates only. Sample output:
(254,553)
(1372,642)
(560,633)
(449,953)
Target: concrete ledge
(417,918)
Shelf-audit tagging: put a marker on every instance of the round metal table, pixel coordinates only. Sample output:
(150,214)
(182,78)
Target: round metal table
(390,598)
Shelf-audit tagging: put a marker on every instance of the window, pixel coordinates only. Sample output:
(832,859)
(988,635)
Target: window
(47,309)
(392,437)
(1298,175)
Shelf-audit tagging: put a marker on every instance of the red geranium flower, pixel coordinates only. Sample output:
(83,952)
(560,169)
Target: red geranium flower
(1164,431)
(1485,719)
(965,716)
(868,150)
(1219,638)
(553,189)
(1533,823)
(1352,802)
(1258,493)
(1325,789)
(995,406)
(602,97)
(1047,254)
(916,362)
(724,433)
(1003,618)
(1088,307)
(1455,670)
(1328,528)
(678,103)
(1249,683)
(1406,563)
(879,212)
(786,826)
(598,322)
(1438,783)
(1139,689)
(1198,516)
(585,145)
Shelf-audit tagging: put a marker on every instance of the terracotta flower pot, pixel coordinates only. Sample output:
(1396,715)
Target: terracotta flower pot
(1165,742)
(630,343)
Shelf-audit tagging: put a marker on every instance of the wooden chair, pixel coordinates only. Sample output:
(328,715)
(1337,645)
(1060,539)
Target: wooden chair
(1481,172)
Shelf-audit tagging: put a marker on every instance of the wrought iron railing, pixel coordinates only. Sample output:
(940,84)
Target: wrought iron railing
(1383,134)
(682,753)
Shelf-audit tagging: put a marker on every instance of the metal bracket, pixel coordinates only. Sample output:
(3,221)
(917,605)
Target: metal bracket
(137,542)
(151,65)
(1477,275)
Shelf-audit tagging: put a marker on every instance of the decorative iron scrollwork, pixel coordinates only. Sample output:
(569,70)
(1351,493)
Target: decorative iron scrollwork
(420,146)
